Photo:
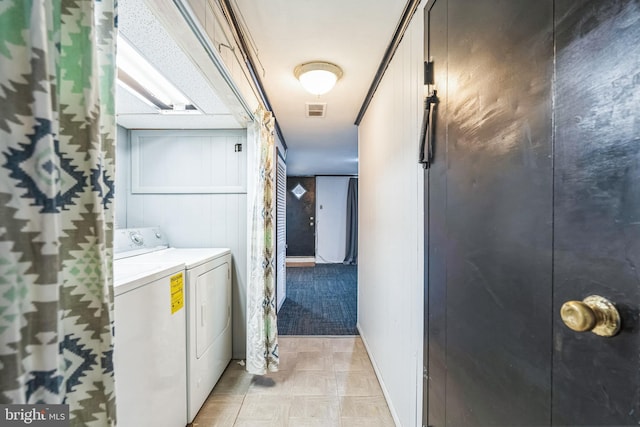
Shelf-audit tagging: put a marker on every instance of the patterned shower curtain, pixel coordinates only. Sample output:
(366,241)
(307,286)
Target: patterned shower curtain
(57,130)
(262,329)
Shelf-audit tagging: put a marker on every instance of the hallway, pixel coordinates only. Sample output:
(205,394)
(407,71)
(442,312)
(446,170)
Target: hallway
(324,382)
(321,300)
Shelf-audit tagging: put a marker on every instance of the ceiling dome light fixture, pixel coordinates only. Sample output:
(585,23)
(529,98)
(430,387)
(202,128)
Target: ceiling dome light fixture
(318,77)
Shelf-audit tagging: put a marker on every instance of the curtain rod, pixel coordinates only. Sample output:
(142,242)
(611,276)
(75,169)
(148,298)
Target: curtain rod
(407,14)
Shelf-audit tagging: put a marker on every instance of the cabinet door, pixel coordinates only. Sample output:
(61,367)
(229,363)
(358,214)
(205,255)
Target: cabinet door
(596,380)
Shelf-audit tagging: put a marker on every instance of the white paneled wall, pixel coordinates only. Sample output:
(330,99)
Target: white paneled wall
(175,181)
(391,230)
(331,218)
(188,162)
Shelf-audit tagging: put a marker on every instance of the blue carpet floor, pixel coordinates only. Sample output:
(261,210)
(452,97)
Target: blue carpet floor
(321,300)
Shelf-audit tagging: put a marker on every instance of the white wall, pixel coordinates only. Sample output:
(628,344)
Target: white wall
(331,218)
(391,230)
(191,220)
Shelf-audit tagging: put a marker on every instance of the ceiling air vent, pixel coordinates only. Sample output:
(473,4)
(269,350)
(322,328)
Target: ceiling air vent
(316,109)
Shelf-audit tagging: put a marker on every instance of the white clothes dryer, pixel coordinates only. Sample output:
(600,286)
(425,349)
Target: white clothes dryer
(149,351)
(208,274)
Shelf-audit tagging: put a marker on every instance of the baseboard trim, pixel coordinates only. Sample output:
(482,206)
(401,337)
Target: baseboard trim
(385,392)
(301,261)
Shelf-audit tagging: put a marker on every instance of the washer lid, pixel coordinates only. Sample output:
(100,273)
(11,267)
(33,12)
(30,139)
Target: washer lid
(129,275)
(191,257)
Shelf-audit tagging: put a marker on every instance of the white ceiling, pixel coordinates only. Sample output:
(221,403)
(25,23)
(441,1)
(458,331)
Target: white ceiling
(353,34)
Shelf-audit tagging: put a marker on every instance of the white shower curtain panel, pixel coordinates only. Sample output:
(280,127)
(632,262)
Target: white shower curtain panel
(262,329)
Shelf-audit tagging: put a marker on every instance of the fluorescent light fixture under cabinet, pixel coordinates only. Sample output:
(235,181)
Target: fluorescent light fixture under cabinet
(137,75)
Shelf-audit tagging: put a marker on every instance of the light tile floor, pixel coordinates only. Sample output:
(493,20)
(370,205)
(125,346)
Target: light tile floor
(323,382)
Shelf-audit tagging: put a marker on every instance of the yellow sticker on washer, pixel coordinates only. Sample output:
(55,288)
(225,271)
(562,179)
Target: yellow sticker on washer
(177,292)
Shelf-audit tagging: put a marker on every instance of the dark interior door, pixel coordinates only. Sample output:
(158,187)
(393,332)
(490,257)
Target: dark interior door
(596,380)
(499,213)
(533,199)
(434,386)
(301,212)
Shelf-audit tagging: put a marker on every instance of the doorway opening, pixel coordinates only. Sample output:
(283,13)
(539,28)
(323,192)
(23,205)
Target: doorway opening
(321,256)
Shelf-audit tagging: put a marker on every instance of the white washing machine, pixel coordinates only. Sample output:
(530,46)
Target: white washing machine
(208,305)
(150,322)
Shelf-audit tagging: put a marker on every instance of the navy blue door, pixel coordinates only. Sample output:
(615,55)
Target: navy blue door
(533,199)
(596,380)
(301,212)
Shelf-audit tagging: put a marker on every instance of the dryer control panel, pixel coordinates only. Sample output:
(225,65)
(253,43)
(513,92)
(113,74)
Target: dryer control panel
(135,241)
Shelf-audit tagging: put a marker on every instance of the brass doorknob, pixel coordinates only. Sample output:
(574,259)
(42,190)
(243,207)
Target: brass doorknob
(595,313)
